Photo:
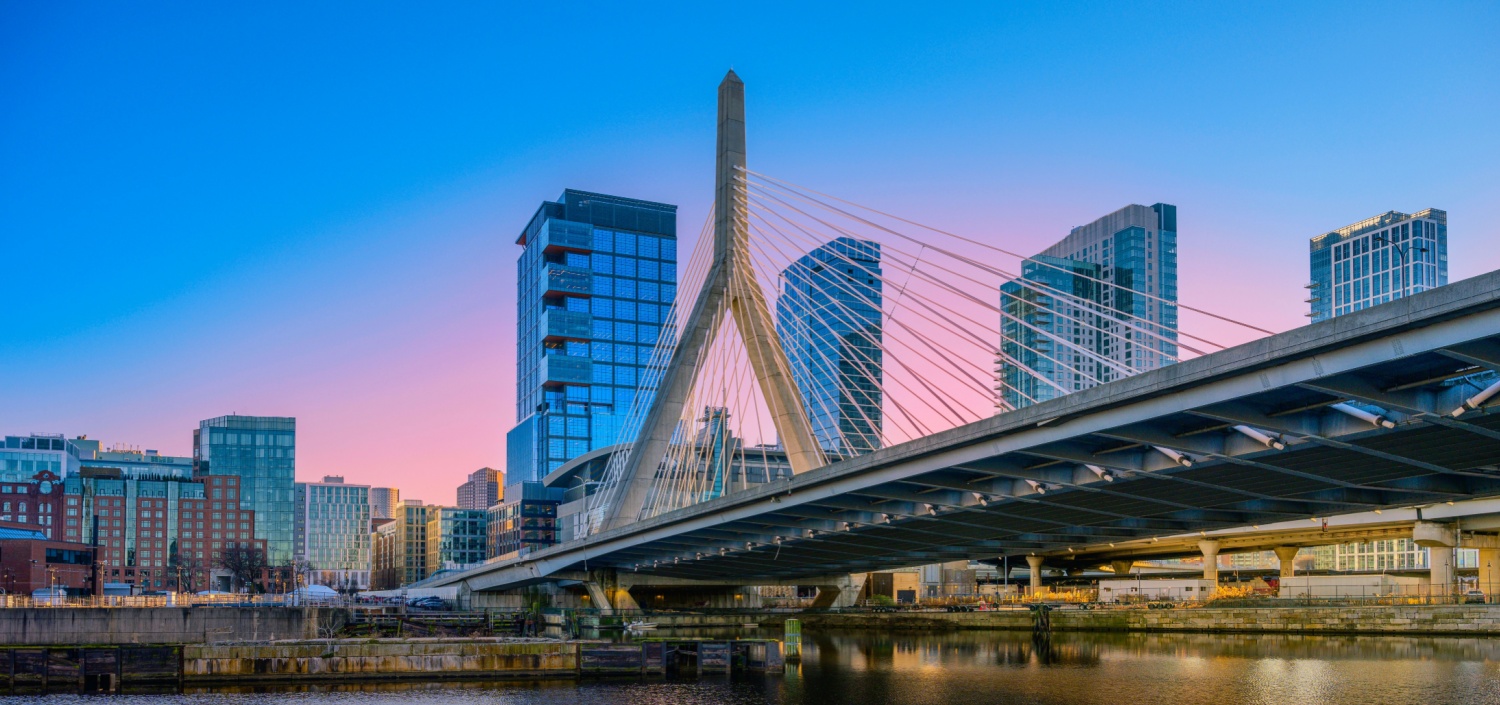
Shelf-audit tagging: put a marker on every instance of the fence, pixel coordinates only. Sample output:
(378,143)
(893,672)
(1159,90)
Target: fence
(171,600)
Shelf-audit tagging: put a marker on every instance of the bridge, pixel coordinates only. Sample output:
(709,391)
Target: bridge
(1382,408)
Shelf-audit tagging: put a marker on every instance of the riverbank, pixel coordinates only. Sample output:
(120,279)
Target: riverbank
(113,668)
(1412,620)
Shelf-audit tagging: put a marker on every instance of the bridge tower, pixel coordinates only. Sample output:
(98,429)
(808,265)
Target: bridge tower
(730,283)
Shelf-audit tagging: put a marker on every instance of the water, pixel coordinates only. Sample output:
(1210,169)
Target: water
(964,668)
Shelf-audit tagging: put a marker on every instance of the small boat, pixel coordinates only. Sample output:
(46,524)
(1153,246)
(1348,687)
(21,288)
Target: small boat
(641,626)
(750,625)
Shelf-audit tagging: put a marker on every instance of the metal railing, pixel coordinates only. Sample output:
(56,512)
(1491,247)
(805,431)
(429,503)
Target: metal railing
(171,600)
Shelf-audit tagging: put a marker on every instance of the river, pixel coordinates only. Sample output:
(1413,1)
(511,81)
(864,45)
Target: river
(964,668)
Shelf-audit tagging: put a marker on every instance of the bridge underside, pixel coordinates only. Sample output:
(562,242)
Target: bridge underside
(1153,455)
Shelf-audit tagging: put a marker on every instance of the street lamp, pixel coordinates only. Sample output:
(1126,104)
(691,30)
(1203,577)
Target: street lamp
(1402,250)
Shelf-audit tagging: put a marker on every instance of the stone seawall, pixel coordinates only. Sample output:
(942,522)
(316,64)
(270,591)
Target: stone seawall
(76,626)
(1470,620)
(395,659)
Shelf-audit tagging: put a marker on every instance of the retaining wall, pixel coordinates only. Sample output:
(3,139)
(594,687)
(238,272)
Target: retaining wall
(1414,619)
(163,625)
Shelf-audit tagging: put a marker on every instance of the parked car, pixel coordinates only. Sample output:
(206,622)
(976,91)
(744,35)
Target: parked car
(426,603)
(1474,596)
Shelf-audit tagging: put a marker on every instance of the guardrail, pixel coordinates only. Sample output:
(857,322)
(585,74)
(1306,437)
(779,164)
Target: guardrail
(171,600)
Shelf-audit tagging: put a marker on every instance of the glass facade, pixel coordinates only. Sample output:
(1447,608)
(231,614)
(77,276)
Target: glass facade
(333,532)
(1077,318)
(595,284)
(261,452)
(25,456)
(828,316)
(1375,261)
(456,538)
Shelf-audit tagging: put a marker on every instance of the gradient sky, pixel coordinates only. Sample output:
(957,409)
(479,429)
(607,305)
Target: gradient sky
(281,210)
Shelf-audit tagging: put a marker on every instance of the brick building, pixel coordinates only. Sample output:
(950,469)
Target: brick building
(29,561)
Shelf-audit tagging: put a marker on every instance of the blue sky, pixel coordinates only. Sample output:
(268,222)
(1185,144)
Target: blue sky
(310,211)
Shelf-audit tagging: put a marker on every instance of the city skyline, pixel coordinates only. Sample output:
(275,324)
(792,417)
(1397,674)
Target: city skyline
(260,292)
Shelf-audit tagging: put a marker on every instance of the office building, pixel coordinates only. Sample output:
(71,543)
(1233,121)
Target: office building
(828,316)
(22,457)
(147,464)
(261,452)
(333,533)
(1097,306)
(29,561)
(595,286)
(1377,260)
(400,547)
(525,521)
(482,490)
(455,538)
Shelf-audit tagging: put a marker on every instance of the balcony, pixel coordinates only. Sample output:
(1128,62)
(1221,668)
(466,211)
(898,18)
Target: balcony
(565,236)
(562,369)
(562,280)
(566,325)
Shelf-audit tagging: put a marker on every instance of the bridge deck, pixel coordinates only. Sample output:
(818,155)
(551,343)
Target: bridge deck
(1020,482)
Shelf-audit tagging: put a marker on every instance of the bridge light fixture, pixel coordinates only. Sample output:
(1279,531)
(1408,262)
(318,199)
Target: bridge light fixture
(1449,502)
(1362,415)
(1261,437)
(1377,511)
(981,500)
(931,509)
(1176,456)
(1070,550)
(749,545)
(1477,400)
(847,526)
(1154,539)
(777,540)
(1255,526)
(886,518)
(1103,474)
(1111,545)
(1037,486)
(723,551)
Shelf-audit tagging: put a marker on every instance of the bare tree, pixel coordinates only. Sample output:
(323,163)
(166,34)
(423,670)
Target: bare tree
(247,565)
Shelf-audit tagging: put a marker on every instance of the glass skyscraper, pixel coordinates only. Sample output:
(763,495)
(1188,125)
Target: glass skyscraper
(828,316)
(1376,260)
(1077,316)
(333,532)
(595,284)
(261,451)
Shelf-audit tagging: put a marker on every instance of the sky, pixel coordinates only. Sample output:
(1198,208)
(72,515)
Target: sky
(310,210)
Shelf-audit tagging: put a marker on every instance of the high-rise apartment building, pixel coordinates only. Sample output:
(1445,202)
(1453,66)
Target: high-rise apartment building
(333,532)
(596,279)
(595,286)
(828,316)
(455,538)
(482,489)
(261,452)
(1097,306)
(1371,262)
(1376,260)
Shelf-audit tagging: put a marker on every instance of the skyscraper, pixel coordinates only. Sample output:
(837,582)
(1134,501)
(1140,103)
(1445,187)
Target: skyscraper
(481,490)
(828,316)
(1097,306)
(1361,265)
(595,285)
(1376,260)
(261,452)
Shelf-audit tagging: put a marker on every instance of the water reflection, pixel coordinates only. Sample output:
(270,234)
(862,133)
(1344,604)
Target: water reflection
(848,668)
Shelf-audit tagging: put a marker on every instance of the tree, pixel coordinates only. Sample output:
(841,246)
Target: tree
(185,569)
(247,565)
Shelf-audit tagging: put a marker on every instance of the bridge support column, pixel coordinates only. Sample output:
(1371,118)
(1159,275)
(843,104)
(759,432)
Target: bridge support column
(1121,567)
(1439,540)
(1210,549)
(1035,562)
(844,593)
(1287,555)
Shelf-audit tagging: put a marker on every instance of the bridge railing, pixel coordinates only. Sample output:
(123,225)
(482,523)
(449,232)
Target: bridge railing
(168,600)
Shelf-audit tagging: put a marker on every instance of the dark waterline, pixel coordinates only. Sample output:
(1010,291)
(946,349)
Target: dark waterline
(849,668)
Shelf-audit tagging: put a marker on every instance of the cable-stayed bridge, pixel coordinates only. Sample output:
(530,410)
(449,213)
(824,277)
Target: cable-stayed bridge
(904,397)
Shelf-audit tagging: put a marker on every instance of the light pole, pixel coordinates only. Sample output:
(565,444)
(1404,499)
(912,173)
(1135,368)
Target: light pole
(1402,250)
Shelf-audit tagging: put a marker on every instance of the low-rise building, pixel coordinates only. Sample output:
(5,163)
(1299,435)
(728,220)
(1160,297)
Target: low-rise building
(29,561)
